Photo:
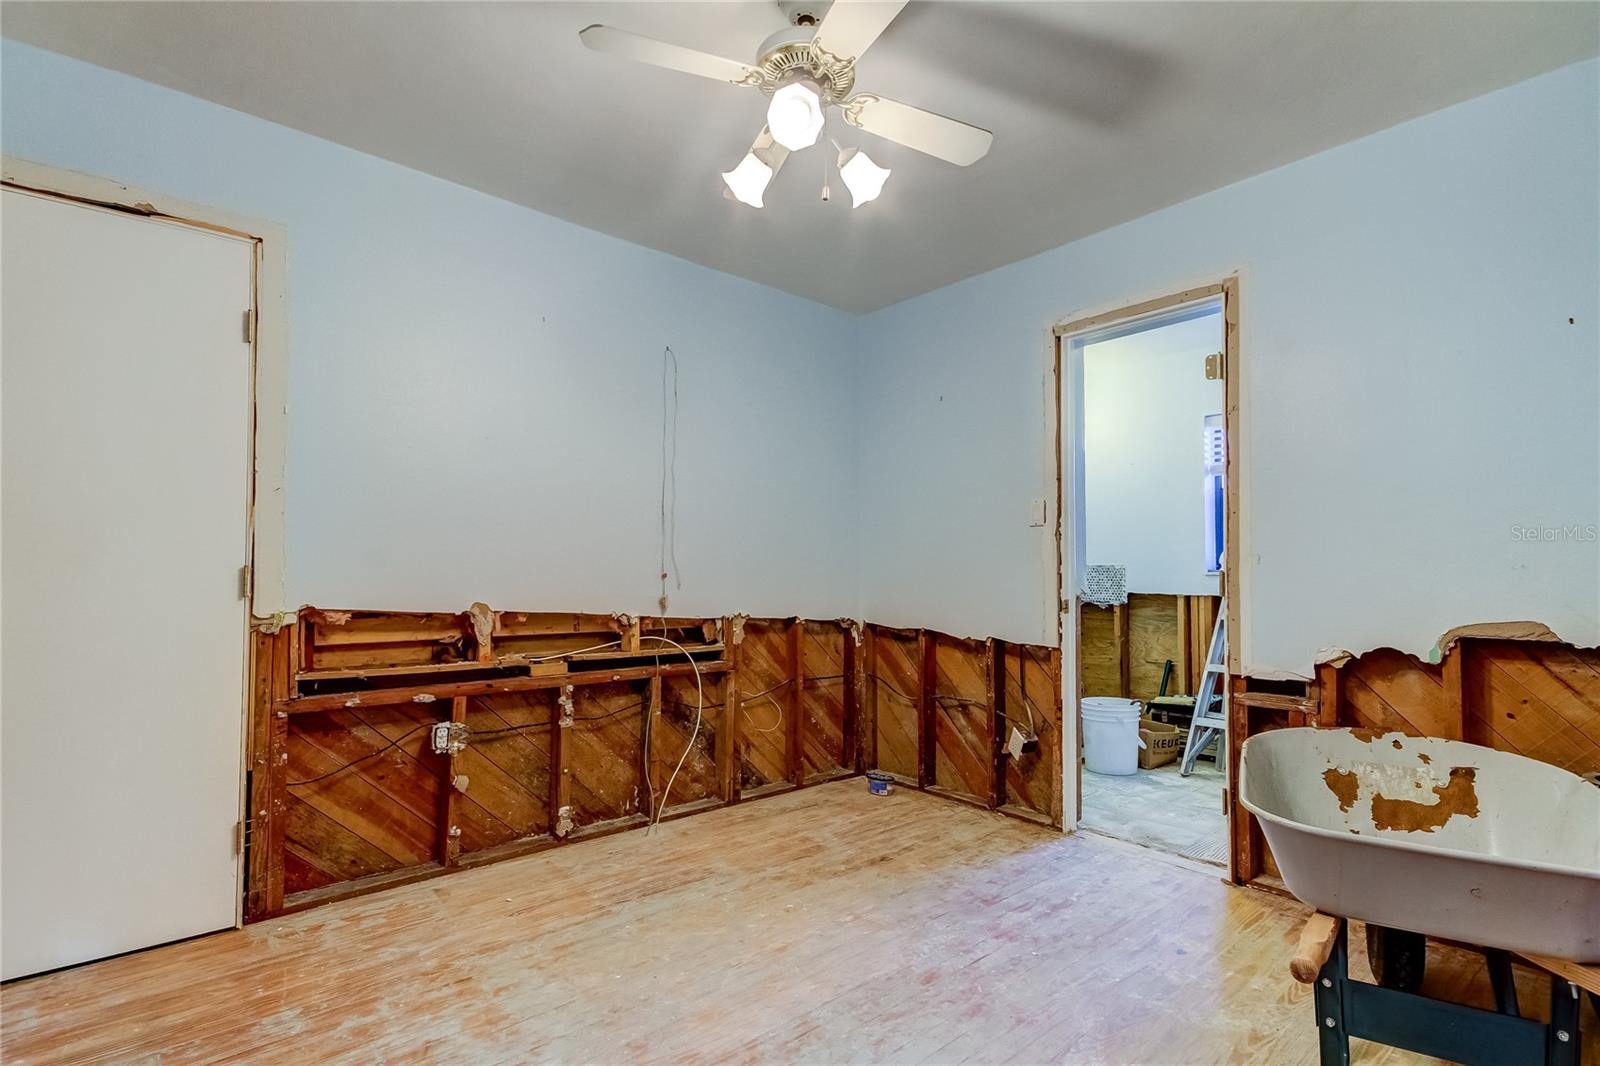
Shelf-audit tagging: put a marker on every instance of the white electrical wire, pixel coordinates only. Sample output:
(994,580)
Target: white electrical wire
(699,712)
(765,699)
(575,651)
(669,474)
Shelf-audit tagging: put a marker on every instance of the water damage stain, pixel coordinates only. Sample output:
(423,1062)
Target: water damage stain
(1459,796)
(1343,784)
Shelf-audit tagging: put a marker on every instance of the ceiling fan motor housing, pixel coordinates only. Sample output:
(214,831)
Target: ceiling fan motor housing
(788,55)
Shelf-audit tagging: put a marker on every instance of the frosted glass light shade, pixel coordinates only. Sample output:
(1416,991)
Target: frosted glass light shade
(862,176)
(795,115)
(748,181)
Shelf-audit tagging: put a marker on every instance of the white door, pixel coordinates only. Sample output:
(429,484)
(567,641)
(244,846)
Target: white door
(124,466)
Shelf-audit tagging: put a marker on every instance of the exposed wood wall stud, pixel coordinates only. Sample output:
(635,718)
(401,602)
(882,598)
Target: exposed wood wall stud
(561,726)
(1327,695)
(851,756)
(1245,834)
(995,679)
(797,682)
(1185,664)
(448,846)
(927,714)
(732,719)
(1120,639)
(652,716)
(278,754)
(482,619)
(1453,673)
(259,825)
(869,680)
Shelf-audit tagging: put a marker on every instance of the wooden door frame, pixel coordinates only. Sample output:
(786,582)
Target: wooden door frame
(1065,539)
(268,375)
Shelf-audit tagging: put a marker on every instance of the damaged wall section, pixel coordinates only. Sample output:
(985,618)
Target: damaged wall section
(1535,698)
(565,726)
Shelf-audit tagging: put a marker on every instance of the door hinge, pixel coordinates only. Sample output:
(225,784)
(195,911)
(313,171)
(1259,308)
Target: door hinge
(238,837)
(244,582)
(1216,365)
(249,325)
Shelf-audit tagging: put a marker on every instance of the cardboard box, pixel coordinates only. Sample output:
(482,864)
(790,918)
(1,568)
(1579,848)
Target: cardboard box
(1163,743)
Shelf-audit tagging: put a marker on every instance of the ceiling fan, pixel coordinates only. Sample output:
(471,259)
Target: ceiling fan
(807,68)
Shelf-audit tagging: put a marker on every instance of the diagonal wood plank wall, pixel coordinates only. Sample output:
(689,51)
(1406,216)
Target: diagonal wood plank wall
(577,724)
(938,709)
(1123,650)
(347,795)
(1533,698)
(1538,699)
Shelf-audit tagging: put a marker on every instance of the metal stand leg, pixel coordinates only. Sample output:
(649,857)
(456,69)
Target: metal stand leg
(1562,1046)
(1505,987)
(1332,1036)
(1441,1028)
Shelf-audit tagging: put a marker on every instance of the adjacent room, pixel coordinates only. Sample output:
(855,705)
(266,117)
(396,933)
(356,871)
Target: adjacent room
(787,531)
(1152,641)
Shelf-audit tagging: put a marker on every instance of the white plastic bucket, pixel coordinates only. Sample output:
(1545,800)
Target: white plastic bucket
(1111,735)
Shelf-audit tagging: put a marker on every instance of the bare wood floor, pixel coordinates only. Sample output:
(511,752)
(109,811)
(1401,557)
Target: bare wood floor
(824,925)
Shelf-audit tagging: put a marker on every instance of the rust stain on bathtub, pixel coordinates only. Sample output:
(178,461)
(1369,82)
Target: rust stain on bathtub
(1458,796)
(1343,784)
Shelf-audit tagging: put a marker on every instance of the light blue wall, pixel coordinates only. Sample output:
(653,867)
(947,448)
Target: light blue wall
(1412,390)
(475,388)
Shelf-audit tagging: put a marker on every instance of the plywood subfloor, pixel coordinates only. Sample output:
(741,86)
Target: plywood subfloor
(822,925)
(1162,809)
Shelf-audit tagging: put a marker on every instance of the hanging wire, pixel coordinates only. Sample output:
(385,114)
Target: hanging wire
(699,714)
(669,474)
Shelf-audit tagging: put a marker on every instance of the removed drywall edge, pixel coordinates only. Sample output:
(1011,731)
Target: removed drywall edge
(1492,631)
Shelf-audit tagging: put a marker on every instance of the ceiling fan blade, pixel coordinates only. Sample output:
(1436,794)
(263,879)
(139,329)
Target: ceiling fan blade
(850,26)
(943,138)
(672,56)
(769,151)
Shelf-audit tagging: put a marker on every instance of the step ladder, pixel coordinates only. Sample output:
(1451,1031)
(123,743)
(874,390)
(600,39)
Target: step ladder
(1210,721)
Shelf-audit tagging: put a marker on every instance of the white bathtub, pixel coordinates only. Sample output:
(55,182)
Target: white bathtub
(1439,837)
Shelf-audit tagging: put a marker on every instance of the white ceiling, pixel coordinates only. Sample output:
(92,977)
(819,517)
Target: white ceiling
(1101,112)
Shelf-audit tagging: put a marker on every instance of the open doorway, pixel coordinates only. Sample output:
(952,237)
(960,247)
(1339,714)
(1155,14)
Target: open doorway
(1147,502)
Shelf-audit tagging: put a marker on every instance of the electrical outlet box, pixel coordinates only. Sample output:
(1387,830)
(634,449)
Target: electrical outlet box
(1038,508)
(449,738)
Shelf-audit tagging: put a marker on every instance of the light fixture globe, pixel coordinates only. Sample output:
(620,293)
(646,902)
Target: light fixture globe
(795,114)
(862,176)
(748,181)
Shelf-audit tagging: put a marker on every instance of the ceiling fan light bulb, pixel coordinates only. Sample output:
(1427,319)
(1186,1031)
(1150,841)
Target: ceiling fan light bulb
(748,181)
(795,115)
(862,176)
